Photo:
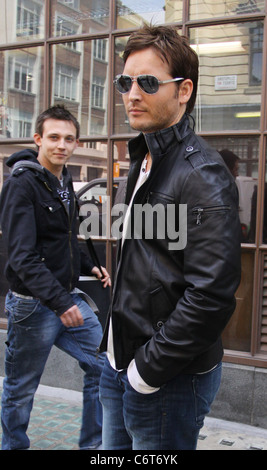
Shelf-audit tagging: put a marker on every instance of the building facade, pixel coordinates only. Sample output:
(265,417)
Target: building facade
(69,51)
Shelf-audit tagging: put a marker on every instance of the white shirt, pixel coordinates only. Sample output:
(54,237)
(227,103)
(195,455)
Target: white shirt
(134,377)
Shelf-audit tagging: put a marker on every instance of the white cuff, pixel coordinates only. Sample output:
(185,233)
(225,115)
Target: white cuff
(136,380)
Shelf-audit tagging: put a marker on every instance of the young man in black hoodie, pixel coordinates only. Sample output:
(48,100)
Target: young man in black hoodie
(44,306)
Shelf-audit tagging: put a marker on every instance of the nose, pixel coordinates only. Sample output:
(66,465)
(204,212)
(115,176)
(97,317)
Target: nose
(61,143)
(135,93)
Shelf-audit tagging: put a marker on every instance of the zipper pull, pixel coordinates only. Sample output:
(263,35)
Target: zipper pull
(199,216)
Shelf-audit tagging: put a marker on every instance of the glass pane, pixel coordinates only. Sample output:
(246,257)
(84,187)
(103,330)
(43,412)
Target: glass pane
(212,8)
(80,76)
(21,95)
(241,154)
(88,167)
(21,20)
(121,159)
(230,60)
(132,15)
(264,235)
(121,123)
(237,333)
(79,16)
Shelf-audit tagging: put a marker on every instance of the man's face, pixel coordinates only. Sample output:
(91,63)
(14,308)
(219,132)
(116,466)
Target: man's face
(149,113)
(57,143)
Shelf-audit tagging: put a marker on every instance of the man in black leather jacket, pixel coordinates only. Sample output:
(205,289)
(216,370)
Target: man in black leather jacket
(44,306)
(172,297)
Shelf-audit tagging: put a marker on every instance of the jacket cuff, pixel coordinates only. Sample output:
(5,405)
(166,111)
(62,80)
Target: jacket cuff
(61,305)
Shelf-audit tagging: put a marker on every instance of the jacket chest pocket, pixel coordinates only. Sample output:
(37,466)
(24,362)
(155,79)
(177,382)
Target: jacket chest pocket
(49,215)
(51,206)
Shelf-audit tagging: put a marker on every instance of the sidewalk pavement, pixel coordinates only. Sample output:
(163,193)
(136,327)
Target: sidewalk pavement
(56,419)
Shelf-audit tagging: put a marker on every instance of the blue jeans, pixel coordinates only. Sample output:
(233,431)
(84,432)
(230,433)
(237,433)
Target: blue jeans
(32,331)
(169,419)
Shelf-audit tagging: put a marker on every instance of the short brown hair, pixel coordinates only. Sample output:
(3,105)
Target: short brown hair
(173,48)
(56,112)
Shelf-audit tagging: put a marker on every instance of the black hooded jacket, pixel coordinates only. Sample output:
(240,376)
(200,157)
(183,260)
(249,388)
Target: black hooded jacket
(39,231)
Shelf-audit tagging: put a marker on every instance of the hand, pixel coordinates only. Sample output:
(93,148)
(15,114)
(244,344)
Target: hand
(72,317)
(106,279)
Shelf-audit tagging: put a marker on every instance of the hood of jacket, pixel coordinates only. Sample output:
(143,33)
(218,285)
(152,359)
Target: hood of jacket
(28,155)
(24,159)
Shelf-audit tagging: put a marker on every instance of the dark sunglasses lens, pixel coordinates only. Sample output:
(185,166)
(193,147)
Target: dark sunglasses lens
(148,83)
(124,83)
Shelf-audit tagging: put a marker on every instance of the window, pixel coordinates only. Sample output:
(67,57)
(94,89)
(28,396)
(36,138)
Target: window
(230,57)
(21,73)
(65,28)
(72,3)
(211,8)
(66,82)
(28,18)
(256,41)
(92,15)
(131,13)
(98,91)
(100,49)
(23,128)
(22,78)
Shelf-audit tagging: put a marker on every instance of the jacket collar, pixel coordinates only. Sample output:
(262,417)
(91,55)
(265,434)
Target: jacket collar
(158,143)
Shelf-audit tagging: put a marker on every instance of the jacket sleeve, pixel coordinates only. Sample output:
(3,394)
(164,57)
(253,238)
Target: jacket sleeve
(211,269)
(19,233)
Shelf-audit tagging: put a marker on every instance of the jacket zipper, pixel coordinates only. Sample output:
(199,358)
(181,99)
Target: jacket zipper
(199,211)
(70,219)
(70,231)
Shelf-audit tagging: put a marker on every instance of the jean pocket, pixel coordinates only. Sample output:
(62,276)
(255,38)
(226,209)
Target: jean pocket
(23,309)
(205,388)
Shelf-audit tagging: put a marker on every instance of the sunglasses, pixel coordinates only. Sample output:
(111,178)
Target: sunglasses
(147,83)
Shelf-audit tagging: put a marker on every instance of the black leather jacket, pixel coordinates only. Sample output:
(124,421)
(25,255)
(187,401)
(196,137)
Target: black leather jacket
(170,307)
(40,234)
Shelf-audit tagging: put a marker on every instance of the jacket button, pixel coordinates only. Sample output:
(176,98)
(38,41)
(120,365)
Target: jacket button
(159,324)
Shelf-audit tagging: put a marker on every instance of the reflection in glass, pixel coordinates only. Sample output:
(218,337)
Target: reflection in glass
(133,14)
(229,94)
(213,8)
(241,155)
(79,16)
(121,159)
(21,20)
(88,167)
(121,122)
(80,82)
(88,162)
(21,97)
(237,334)
(264,234)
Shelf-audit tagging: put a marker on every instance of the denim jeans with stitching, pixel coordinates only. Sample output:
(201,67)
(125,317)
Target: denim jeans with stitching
(169,419)
(32,331)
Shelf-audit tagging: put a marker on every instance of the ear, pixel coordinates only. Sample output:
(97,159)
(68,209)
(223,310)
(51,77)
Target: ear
(185,91)
(37,139)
